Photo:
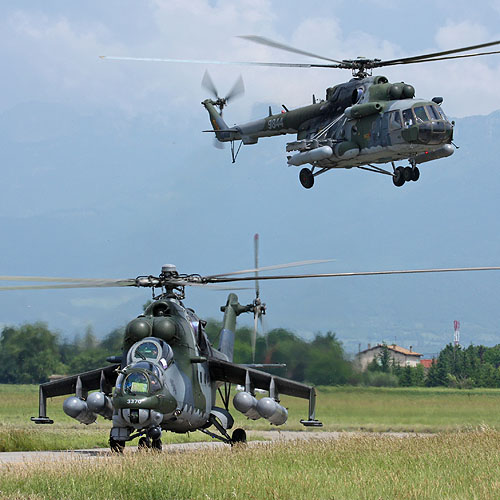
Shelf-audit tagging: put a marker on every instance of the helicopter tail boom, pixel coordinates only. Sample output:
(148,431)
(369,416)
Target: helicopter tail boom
(218,124)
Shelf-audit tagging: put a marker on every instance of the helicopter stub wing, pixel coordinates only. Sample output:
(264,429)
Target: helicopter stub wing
(233,373)
(90,381)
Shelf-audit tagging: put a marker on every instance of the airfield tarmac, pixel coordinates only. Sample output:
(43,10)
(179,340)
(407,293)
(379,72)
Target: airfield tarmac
(93,453)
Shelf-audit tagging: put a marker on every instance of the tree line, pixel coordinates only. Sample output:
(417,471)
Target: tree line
(455,366)
(31,353)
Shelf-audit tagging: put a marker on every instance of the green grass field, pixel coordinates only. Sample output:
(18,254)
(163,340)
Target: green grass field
(339,408)
(462,465)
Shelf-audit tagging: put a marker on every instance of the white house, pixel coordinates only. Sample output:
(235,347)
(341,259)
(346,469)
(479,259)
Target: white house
(398,354)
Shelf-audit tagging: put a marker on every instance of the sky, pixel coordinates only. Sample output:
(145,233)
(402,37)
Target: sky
(106,173)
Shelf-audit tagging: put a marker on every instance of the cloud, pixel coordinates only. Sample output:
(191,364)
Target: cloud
(53,56)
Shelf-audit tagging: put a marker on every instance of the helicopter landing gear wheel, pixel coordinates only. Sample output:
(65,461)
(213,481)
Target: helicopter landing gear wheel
(239,436)
(398,178)
(306,178)
(116,446)
(407,174)
(156,444)
(144,443)
(415,174)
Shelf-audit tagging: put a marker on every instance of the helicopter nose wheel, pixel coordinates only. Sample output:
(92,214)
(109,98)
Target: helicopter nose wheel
(239,436)
(306,178)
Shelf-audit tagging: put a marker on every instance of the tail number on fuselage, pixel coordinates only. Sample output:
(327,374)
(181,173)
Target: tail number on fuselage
(275,123)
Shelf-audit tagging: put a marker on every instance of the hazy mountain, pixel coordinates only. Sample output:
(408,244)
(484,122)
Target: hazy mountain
(114,196)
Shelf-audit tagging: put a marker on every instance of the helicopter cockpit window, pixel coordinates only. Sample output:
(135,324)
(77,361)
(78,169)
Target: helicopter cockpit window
(408,118)
(155,384)
(148,366)
(433,113)
(148,349)
(151,352)
(421,114)
(136,383)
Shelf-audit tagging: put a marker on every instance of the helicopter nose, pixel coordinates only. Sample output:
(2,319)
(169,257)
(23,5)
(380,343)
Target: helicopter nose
(435,132)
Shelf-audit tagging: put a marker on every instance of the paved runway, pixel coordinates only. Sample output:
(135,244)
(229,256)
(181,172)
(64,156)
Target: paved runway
(50,456)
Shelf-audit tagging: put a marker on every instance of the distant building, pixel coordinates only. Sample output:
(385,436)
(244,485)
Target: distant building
(399,355)
(427,363)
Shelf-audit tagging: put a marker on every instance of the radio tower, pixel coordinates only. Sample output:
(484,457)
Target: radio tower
(456,337)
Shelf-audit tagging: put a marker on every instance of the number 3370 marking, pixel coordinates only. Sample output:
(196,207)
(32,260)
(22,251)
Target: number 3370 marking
(134,401)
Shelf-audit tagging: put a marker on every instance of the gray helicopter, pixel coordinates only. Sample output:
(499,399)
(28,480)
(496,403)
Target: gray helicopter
(168,375)
(363,123)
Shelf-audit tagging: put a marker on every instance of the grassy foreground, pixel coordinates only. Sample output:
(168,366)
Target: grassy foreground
(463,465)
(339,408)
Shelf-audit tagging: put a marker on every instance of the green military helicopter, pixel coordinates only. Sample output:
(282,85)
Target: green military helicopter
(363,123)
(168,375)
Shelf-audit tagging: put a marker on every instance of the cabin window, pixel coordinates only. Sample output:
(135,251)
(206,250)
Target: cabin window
(395,120)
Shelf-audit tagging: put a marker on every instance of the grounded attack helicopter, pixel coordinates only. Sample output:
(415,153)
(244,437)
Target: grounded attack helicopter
(168,374)
(362,123)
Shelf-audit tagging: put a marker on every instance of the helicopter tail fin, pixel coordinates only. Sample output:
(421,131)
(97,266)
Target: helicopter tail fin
(231,310)
(223,133)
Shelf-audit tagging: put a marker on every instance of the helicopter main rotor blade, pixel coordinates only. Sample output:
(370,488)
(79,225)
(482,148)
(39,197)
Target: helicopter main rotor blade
(58,280)
(277,45)
(117,284)
(234,63)
(422,57)
(446,58)
(104,284)
(363,273)
(209,84)
(270,268)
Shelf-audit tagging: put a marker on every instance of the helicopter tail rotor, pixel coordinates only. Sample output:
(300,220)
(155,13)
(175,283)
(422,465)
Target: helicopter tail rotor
(237,89)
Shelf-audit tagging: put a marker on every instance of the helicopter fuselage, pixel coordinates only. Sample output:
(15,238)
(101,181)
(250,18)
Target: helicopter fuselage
(362,122)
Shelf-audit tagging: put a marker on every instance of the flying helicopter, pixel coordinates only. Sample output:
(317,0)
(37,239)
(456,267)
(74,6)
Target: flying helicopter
(363,123)
(168,374)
